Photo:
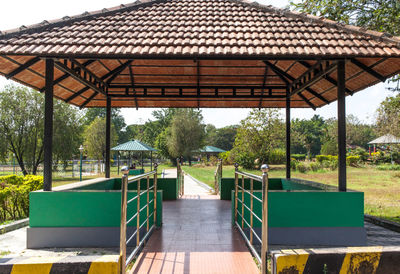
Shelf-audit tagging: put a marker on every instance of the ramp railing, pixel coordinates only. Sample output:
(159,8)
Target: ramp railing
(139,233)
(218,177)
(243,225)
(180,178)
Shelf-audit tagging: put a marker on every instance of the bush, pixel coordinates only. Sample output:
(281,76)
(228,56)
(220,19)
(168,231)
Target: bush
(352,160)
(299,157)
(362,153)
(322,158)
(329,148)
(246,160)
(388,167)
(14,195)
(315,166)
(277,156)
(302,167)
(226,158)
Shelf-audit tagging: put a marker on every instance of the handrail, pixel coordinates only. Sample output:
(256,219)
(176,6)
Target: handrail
(124,204)
(262,258)
(218,177)
(180,178)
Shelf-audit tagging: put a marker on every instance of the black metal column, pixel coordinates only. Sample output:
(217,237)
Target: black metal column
(288,138)
(342,125)
(48,125)
(108,136)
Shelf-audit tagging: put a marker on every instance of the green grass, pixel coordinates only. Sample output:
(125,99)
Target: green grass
(381,187)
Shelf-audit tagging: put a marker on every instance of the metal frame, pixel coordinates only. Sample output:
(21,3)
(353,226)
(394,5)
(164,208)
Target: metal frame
(262,259)
(124,222)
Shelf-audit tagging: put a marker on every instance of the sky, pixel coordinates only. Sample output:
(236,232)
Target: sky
(16,13)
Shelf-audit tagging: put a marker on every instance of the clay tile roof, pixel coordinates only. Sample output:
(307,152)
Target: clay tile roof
(196,53)
(112,30)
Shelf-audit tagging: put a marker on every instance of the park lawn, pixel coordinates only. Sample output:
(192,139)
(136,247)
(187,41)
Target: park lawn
(381,188)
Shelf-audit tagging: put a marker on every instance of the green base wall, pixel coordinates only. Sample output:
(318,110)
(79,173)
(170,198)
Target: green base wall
(306,209)
(86,208)
(136,171)
(169,186)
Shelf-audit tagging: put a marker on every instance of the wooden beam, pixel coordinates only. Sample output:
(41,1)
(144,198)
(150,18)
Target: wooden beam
(64,68)
(327,77)
(307,101)
(73,96)
(66,75)
(285,75)
(211,96)
(115,72)
(368,70)
(88,100)
(131,75)
(89,72)
(21,68)
(312,76)
(263,85)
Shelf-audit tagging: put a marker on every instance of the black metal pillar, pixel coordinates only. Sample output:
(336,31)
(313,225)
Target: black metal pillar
(342,124)
(108,137)
(288,138)
(48,125)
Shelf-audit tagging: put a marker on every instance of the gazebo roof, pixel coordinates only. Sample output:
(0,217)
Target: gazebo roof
(211,149)
(197,53)
(133,145)
(386,139)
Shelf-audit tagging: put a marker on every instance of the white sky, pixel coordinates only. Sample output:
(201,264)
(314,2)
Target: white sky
(15,13)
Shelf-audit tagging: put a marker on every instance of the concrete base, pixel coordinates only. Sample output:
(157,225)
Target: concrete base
(319,236)
(47,237)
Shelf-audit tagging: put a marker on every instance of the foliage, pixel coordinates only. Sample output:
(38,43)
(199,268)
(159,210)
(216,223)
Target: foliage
(298,157)
(95,142)
(310,133)
(223,138)
(226,157)
(379,15)
(352,160)
(187,133)
(14,195)
(116,119)
(21,128)
(388,116)
(260,133)
(277,156)
(361,153)
(388,167)
(322,158)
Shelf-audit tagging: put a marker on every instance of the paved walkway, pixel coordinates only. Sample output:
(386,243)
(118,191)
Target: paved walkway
(196,237)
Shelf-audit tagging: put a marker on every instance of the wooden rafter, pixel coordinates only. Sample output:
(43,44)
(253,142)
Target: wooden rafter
(115,72)
(327,77)
(368,70)
(263,85)
(312,76)
(21,68)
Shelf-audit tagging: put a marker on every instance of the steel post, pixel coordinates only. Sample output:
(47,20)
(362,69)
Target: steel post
(108,137)
(122,241)
(288,141)
(264,233)
(236,190)
(341,75)
(48,126)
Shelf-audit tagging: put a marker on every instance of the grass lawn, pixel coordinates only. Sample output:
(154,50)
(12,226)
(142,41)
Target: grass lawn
(381,188)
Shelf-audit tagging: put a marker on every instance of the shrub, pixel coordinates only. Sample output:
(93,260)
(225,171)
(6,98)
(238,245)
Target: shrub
(388,167)
(246,160)
(302,167)
(277,156)
(315,166)
(352,160)
(226,158)
(299,157)
(14,195)
(329,148)
(293,164)
(362,153)
(322,158)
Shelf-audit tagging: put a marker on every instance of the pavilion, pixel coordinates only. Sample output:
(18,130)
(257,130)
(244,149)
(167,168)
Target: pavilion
(211,151)
(135,146)
(197,54)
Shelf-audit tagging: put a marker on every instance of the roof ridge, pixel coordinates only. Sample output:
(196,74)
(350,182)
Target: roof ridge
(71,19)
(381,36)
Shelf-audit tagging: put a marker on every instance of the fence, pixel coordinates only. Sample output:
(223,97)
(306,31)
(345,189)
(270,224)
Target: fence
(240,212)
(136,217)
(180,178)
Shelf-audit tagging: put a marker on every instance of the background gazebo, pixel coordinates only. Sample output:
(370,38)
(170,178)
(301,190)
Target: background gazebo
(211,151)
(387,139)
(135,146)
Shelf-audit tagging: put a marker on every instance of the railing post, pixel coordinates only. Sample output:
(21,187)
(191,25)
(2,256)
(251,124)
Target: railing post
(138,214)
(183,184)
(122,241)
(242,202)
(148,199)
(155,193)
(251,210)
(264,233)
(236,190)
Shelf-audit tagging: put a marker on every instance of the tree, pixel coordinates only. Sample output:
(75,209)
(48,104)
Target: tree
(225,137)
(258,134)
(116,118)
(388,116)
(379,15)
(21,128)
(95,142)
(310,132)
(187,133)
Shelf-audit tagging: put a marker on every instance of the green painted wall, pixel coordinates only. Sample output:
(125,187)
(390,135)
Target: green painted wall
(167,185)
(290,185)
(136,171)
(307,209)
(228,184)
(84,208)
(103,185)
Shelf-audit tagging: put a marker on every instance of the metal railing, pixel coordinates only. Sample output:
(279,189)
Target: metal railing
(241,212)
(140,241)
(180,178)
(218,177)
